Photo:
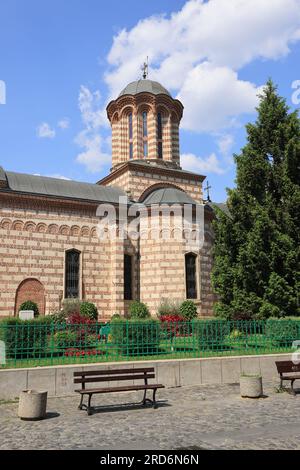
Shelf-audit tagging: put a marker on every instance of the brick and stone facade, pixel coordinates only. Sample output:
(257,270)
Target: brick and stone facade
(38,228)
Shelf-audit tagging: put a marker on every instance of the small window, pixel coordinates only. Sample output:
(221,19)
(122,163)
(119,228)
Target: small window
(72,274)
(145,127)
(159,136)
(130,136)
(130,126)
(127,277)
(159,127)
(145,149)
(191,276)
(160,150)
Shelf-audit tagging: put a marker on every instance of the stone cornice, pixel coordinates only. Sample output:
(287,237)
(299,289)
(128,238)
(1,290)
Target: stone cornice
(34,201)
(151,169)
(120,103)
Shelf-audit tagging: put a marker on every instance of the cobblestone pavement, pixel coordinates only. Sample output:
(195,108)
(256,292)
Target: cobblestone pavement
(198,417)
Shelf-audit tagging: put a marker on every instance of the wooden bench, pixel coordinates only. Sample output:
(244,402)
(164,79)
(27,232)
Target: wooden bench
(113,375)
(289,368)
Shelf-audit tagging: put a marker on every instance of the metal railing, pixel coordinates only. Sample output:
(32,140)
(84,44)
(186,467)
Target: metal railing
(28,344)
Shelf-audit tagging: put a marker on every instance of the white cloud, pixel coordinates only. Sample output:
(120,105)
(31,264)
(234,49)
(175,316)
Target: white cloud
(90,105)
(196,52)
(196,48)
(225,144)
(55,175)
(64,123)
(214,97)
(95,147)
(203,165)
(93,157)
(60,177)
(44,131)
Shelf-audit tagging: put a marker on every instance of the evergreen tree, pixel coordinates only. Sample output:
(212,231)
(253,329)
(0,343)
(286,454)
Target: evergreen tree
(256,253)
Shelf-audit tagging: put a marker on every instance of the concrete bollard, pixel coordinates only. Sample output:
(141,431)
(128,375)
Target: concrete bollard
(251,386)
(32,405)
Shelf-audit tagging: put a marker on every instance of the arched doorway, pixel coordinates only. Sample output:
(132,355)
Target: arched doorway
(30,289)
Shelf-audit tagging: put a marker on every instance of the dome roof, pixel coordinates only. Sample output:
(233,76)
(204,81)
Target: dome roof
(168,196)
(142,86)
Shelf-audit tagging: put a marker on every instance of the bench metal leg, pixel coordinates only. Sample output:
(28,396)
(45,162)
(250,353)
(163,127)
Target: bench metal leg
(154,401)
(89,409)
(292,387)
(281,384)
(81,403)
(144,398)
(147,400)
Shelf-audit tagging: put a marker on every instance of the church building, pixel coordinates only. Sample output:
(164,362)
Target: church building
(50,245)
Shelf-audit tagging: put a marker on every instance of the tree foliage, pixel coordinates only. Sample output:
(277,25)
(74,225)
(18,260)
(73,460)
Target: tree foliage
(256,252)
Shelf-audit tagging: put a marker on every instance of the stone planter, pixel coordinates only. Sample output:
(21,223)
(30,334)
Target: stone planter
(251,386)
(32,405)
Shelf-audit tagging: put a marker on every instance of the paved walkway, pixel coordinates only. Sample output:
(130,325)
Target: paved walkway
(204,417)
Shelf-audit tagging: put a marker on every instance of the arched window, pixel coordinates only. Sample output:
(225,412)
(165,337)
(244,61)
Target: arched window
(127,277)
(191,276)
(130,136)
(72,274)
(145,135)
(159,136)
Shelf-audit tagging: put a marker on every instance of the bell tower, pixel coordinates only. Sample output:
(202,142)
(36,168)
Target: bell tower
(145,123)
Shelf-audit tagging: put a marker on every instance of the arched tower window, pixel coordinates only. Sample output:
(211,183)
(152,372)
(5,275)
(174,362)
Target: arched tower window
(145,134)
(130,136)
(127,277)
(191,276)
(159,136)
(72,274)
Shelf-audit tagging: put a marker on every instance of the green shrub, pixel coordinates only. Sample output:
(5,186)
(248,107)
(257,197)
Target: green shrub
(188,310)
(138,310)
(283,331)
(58,318)
(89,310)
(235,335)
(91,340)
(136,337)
(168,307)
(210,334)
(70,306)
(115,315)
(268,310)
(29,305)
(25,338)
(62,339)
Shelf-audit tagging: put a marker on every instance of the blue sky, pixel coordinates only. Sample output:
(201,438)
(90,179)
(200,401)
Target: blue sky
(62,61)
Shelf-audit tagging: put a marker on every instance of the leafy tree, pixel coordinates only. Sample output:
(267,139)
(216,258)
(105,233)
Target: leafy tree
(256,253)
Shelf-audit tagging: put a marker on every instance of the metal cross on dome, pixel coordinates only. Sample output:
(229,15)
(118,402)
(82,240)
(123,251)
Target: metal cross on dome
(207,188)
(145,69)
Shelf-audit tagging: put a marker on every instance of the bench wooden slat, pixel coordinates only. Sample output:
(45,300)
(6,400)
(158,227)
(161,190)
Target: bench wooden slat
(113,371)
(287,366)
(111,378)
(290,377)
(120,389)
(110,375)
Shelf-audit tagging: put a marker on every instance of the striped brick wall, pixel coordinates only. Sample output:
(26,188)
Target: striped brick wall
(33,246)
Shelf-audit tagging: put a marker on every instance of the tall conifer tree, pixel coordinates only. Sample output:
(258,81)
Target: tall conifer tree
(256,253)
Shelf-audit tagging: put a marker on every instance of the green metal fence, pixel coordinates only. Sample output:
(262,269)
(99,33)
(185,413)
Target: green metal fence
(28,344)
